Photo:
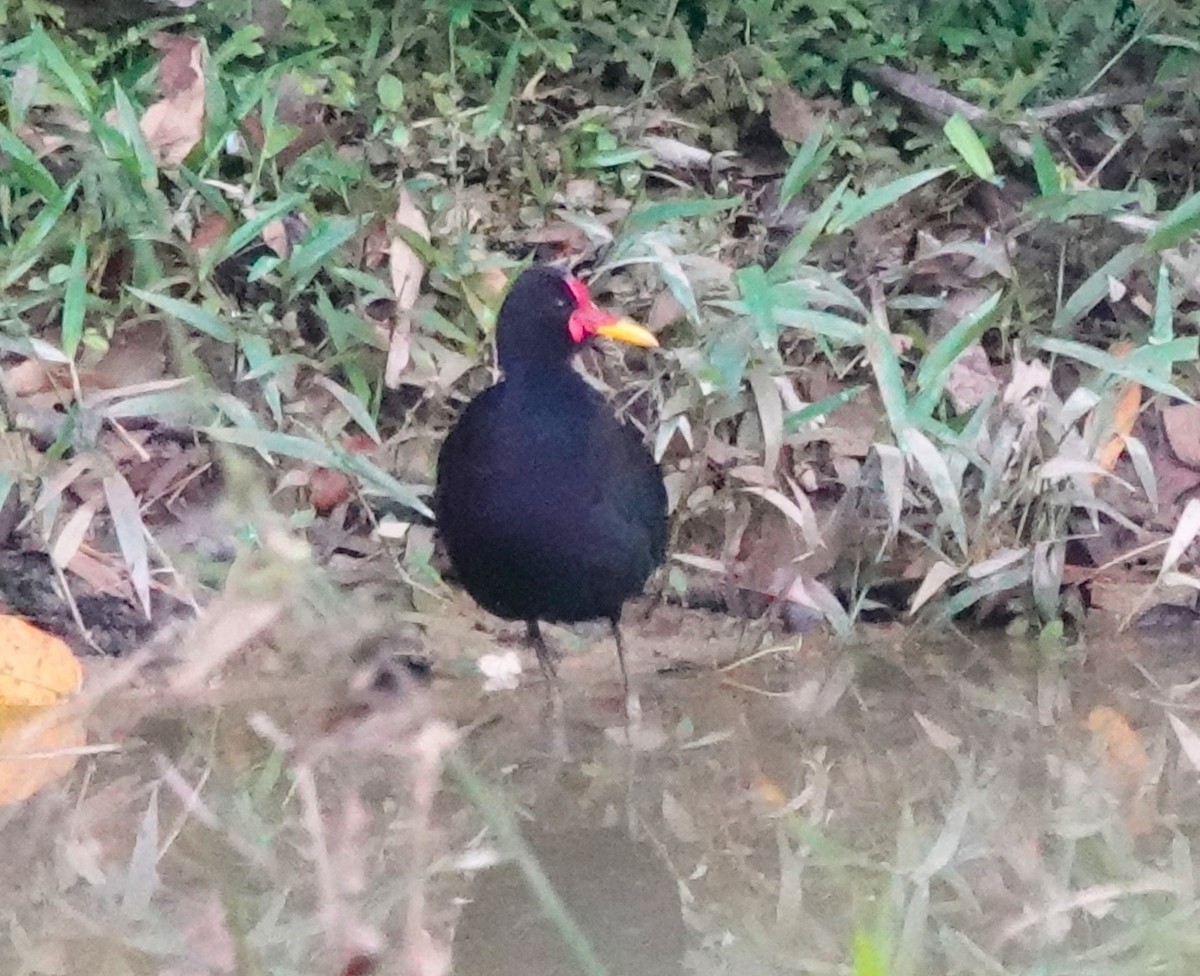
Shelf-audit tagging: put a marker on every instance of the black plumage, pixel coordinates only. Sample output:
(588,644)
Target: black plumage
(549,508)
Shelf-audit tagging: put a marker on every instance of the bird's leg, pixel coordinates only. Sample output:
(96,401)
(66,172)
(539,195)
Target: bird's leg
(616,632)
(547,657)
(632,706)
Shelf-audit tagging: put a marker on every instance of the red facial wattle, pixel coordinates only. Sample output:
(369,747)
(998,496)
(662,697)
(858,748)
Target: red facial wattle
(590,319)
(588,316)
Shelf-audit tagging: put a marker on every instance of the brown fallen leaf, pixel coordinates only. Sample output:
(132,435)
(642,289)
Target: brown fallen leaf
(1120,746)
(327,489)
(792,115)
(174,125)
(664,310)
(212,227)
(1124,756)
(558,239)
(275,236)
(768,792)
(1181,424)
(971,379)
(136,355)
(102,572)
(408,271)
(33,376)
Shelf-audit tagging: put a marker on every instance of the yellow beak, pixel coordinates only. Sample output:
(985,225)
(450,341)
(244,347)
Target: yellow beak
(628,331)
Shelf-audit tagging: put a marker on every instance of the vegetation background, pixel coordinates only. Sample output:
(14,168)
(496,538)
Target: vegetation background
(925,277)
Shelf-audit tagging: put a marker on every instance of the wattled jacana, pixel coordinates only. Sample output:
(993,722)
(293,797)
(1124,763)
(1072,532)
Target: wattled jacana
(549,508)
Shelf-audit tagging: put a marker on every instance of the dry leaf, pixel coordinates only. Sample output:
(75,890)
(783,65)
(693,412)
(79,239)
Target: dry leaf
(768,791)
(74,531)
(275,236)
(971,379)
(1125,757)
(582,193)
(664,310)
(36,668)
(327,489)
(174,125)
(1121,747)
(567,237)
(408,271)
(136,355)
(941,739)
(131,534)
(32,376)
(101,572)
(792,115)
(1189,742)
(939,574)
(1181,423)
(1030,379)
(1124,417)
(33,757)
(672,152)
(1123,420)
(211,228)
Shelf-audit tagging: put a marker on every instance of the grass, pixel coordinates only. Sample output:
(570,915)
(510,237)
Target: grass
(246,281)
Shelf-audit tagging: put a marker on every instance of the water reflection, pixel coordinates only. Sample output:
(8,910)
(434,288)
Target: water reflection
(619,892)
(950,808)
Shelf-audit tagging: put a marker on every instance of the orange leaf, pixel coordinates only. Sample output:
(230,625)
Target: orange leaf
(1123,419)
(1121,747)
(36,668)
(768,791)
(32,758)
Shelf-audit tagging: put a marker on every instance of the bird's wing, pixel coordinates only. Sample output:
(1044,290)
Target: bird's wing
(638,494)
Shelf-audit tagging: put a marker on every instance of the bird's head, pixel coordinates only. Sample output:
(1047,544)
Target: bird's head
(549,314)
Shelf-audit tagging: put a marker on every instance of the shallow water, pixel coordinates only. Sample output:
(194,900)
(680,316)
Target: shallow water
(960,806)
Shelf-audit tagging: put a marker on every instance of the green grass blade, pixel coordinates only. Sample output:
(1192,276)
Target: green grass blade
(1094,288)
(1177,226)
(970,147)
(28,249)
(28,167)
(75,300)
(809,160)
(860,208)
(200,319)
(644,218)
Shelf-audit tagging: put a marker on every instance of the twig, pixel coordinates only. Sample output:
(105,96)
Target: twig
(1130,95)
(938,105)
(74,607)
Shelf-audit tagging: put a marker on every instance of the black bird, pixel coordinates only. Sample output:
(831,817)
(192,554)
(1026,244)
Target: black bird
(549,508)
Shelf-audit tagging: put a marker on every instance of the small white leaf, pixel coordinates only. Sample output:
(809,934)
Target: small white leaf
(131,534)
(940,573)
(1188,741)
(946,741)
(408,272)
(72,534)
